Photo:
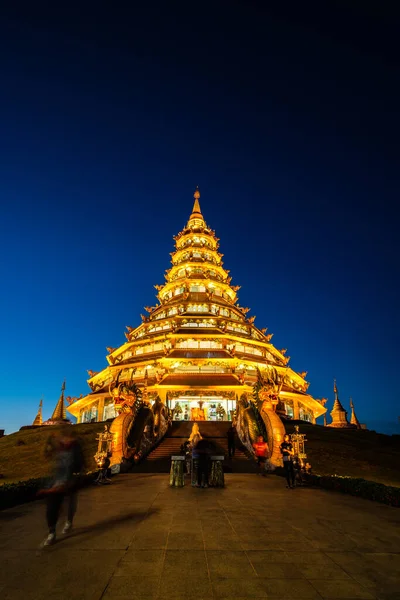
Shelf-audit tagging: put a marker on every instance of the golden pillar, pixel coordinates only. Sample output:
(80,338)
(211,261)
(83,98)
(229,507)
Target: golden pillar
(100,410)
(296,411)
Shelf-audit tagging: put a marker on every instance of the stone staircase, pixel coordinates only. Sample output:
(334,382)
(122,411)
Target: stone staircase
(159,460)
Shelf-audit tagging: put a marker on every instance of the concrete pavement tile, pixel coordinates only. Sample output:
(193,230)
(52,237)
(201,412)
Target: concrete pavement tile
(322,571)
(248,527)
(178,561)
(73,574)
(130,586)
(218,529)
(181,540)
(50,594)
(350,561)
(246,587)
(312,558)
(289,588)
(381,586)
(228,564)
(303,546)
(187,585)
(186,526)
(146,563)
(150,540)
(221,542)
(260,557)
(262,542)
(97,540)
(387,561)
(212,514)
(278,570)
(341,589)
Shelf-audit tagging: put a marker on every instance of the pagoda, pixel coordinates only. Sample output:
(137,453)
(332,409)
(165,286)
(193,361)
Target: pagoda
(353,419)
(197,349)
(39,418)
(338,413)
(59,415)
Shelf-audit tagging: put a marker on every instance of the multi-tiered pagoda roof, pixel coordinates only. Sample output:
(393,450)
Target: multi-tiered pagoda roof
(197,340)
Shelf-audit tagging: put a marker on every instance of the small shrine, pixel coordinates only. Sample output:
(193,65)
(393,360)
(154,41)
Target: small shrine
(104,447)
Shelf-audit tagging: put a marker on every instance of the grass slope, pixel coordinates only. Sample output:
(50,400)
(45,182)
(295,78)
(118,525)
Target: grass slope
(365,454)
(360,453)
(19,462)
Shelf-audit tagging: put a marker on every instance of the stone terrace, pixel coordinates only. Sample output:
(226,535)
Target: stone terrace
(137,538)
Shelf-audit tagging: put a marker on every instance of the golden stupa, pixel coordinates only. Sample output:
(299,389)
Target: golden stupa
(197,349)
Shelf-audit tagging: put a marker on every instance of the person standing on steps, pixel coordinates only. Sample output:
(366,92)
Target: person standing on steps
(287,456)
(231,435)
(262,453)
(201,454)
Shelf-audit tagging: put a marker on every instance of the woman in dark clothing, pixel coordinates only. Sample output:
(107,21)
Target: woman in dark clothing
(287,455)
(231,433)
(201,454)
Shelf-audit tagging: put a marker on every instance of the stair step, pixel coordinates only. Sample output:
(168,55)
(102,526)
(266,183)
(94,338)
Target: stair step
(159,460)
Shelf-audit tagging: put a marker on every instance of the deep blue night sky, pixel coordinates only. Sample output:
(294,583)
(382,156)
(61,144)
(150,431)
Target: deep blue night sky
(290,128)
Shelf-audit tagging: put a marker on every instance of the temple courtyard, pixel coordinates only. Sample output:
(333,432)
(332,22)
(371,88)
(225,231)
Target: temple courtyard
(138,538)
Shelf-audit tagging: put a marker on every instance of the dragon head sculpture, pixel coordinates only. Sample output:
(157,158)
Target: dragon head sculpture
(124,394)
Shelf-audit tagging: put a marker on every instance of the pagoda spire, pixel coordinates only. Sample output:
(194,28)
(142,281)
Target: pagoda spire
(338,413)
(196,205)
(39,419)
(60,413)
(353,419)
(196,211)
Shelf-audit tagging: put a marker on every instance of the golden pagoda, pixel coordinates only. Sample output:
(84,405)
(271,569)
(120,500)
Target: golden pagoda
(338,413)
(59,413)
(197,349)
(353,419)
(39,419)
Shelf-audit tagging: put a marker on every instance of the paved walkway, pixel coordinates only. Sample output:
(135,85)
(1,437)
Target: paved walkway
(137,538)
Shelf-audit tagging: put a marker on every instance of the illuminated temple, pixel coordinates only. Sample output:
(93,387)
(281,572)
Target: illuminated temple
(197,349)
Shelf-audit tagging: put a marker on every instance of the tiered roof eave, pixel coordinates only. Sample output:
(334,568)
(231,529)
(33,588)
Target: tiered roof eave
(197,302)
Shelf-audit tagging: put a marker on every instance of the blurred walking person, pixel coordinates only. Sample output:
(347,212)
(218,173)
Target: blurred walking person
(64,449)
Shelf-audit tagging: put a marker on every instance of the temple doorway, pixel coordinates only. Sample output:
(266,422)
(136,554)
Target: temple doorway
(202,408)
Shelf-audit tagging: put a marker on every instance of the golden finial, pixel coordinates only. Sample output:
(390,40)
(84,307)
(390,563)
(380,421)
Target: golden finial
(196,212)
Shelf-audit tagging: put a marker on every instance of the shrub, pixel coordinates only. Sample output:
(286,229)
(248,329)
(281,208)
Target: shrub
(12,494)
(358,487)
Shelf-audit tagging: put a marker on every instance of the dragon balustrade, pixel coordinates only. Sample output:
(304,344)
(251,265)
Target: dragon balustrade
(139,425)
(257,415)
